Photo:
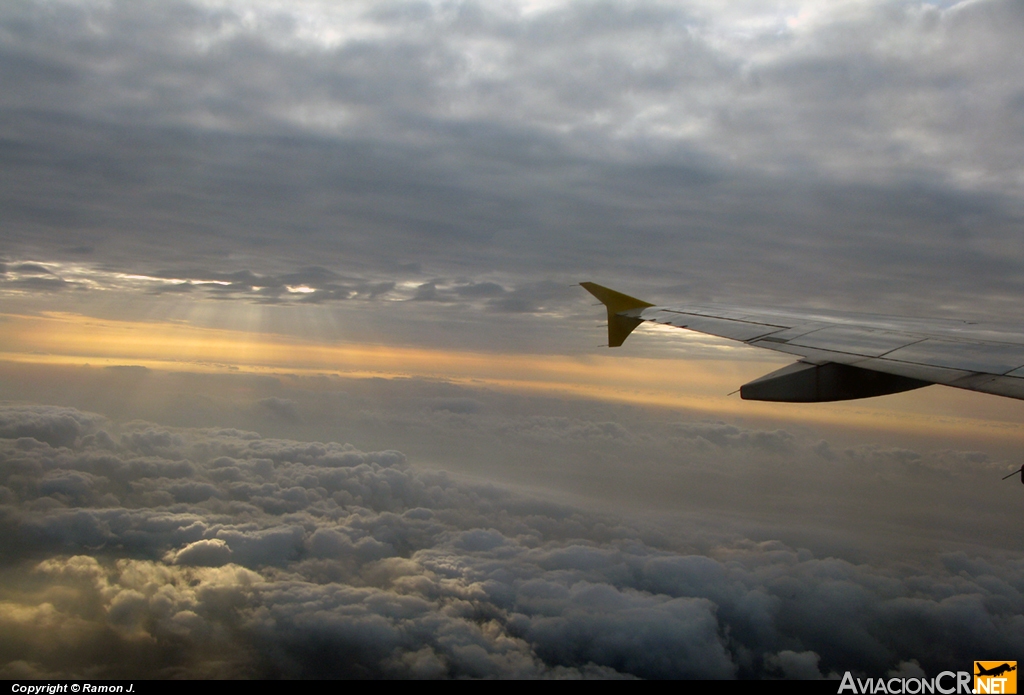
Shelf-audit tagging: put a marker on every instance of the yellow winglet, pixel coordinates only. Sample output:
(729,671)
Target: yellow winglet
(619,327)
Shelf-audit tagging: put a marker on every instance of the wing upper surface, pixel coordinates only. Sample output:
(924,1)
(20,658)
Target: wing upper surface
(956,353)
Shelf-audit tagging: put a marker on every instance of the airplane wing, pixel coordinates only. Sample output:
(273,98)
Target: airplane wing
(843,356)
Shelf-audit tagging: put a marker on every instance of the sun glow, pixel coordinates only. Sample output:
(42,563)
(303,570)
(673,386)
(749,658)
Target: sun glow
(698,385)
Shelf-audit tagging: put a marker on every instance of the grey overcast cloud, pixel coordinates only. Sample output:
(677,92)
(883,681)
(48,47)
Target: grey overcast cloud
(295,380)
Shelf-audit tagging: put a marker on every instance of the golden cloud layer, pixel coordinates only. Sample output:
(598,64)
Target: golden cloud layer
(700,385)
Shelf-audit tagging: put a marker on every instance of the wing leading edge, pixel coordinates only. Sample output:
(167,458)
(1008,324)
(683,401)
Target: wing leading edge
(842,356)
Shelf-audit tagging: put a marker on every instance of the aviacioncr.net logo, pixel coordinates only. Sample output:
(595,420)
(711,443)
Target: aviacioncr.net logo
(998,677)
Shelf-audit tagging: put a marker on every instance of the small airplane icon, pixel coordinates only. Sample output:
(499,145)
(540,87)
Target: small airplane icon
(996,670)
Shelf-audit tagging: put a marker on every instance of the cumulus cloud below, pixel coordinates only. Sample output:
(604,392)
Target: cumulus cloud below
(141,550)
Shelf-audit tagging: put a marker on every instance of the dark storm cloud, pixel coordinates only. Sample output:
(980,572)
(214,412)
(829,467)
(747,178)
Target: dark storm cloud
(218,552)
(751,150)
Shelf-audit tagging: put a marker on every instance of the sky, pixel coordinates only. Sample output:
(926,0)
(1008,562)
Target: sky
(297,381)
